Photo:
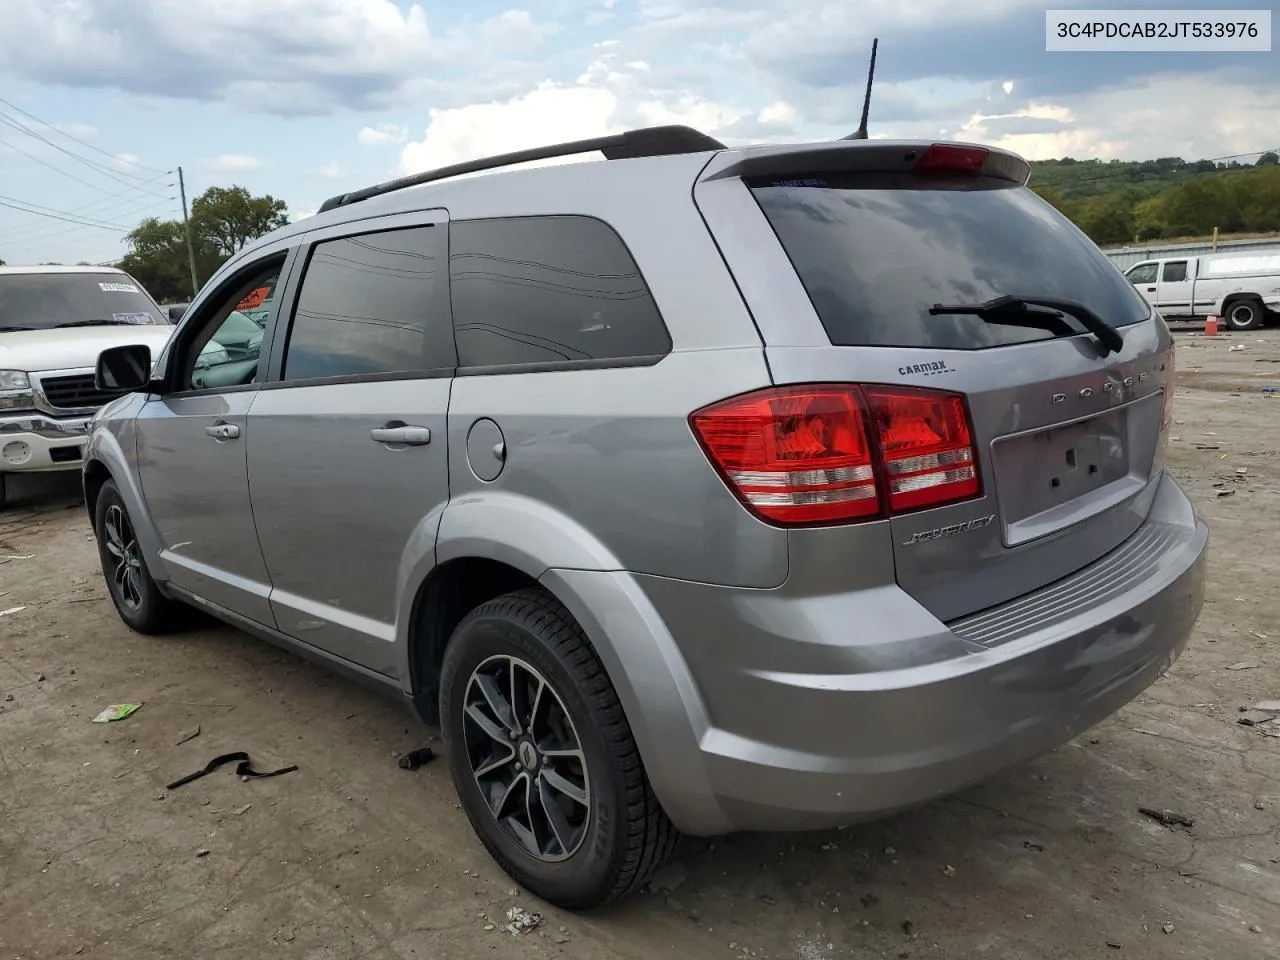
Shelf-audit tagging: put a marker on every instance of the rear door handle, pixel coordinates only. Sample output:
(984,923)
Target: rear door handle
(409,435)
(223,431)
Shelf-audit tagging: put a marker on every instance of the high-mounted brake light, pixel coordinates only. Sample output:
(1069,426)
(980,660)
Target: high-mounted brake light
(837,453)
(946,158)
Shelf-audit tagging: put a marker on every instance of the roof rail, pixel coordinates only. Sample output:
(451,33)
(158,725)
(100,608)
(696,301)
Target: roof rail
(646,142)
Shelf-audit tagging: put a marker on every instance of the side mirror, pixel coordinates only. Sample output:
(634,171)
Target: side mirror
(123,369)
(176,312)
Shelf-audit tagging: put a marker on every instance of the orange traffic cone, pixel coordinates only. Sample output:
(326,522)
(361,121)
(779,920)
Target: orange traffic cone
(1211,326)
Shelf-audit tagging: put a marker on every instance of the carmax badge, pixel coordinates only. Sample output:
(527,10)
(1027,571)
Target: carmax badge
(937,533)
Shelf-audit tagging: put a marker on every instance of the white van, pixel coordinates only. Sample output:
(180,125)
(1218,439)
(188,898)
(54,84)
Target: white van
(1242,288)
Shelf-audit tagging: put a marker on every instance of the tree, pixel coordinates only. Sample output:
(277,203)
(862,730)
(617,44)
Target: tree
(1269,159)
(1107,219)
(229,217)
(223,219)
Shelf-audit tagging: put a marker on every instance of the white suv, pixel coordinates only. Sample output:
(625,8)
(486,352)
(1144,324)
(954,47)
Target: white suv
(54,321)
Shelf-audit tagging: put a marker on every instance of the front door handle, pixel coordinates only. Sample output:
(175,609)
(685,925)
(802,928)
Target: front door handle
(402,433)
(223,431)
(1151,289)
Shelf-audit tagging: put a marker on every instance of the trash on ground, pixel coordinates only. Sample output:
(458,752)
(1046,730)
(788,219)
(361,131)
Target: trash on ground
(1270,706)
(520,920)
(1226,493)
(1254,718)
(1170,818)
(244,769)
(116,711)
(1244,665)
(1168,927)
(416,758)
(202,852)
(243,810)
(187,735)
(11,610)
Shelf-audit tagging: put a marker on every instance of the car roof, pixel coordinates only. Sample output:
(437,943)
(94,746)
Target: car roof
(56,268)
(656,157)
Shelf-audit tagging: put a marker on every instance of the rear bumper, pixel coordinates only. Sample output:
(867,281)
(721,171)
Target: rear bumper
(817,733)
(35,442)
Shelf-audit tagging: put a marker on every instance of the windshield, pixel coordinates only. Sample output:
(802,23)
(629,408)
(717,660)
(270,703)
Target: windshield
(42,301)
(874,257)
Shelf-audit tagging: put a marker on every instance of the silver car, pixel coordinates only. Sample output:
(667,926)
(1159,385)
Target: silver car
(692,490)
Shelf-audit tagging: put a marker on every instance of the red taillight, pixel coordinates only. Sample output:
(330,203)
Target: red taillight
(836,453)
(926,446)
(948,158)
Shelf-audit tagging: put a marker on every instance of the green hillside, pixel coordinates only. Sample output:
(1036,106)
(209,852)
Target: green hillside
(1125,201)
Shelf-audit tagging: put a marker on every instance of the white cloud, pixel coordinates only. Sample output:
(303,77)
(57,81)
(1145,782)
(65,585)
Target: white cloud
(382,134)
(1132,123)
(1007,86)
(331,170)
(235,163)
(514,30)
(604,99)
(270,54)
(303,212)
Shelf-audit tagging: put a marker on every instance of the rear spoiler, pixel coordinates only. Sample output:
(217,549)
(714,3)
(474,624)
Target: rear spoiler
(868,156)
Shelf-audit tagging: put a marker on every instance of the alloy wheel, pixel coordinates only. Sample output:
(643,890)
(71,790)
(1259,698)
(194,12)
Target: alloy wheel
(526,758)
(124,560)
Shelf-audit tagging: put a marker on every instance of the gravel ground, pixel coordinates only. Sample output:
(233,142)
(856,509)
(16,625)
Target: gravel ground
(351,857)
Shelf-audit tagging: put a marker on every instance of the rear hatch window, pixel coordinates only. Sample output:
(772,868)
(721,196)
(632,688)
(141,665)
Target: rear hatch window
(875,252)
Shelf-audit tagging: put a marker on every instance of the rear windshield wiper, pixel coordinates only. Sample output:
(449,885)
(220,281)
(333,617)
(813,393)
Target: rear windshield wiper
(15,329)
(1020,311)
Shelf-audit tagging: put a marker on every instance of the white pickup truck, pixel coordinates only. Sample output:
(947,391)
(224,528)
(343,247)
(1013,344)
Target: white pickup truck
(54,321)
(1241,288)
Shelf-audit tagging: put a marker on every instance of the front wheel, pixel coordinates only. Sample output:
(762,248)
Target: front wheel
(543,758)
(1245,314)
(137,599)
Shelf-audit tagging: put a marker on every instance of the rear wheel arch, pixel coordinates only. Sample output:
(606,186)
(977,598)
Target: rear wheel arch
(445,597)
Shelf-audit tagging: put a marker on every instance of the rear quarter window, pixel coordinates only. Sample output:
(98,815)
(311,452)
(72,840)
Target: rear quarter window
(875,256)
(549,290)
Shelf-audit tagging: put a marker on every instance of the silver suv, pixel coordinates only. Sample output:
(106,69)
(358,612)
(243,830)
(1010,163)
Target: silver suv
(691,490)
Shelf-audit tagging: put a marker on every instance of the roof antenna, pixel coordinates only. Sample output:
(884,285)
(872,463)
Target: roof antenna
(861,132)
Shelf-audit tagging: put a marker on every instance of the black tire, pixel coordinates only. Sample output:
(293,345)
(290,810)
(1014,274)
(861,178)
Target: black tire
(1244,314)
(135,596)
(4,491)
(625,835)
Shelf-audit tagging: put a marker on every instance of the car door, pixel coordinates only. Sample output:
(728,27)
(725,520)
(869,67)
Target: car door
(192,447)
(1173,292)
(348,454)
(1144,277)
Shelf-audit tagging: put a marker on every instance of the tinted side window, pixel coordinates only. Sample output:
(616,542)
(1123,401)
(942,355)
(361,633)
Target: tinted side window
(1174,271)
(372,304)
(547,290)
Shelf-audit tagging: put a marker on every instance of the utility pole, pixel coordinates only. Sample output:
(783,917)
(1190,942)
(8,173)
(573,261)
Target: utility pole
(186,224)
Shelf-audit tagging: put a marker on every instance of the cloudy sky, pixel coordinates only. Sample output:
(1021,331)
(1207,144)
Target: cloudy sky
(306,98)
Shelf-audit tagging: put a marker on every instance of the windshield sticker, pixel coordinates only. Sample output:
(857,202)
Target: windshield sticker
(140,319)
(112,287)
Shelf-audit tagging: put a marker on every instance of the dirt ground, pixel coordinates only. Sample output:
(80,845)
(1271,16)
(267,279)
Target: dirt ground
(351,857)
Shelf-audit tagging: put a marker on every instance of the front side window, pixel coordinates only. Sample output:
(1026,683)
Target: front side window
(1175,271)
(228,350)
(1143,273)
(536,290)
(372,304)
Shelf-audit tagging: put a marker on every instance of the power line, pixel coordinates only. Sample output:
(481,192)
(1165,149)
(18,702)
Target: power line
(102,225)
(95,207)
(100,169)
(70,136)
(59,237)
(27,238)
